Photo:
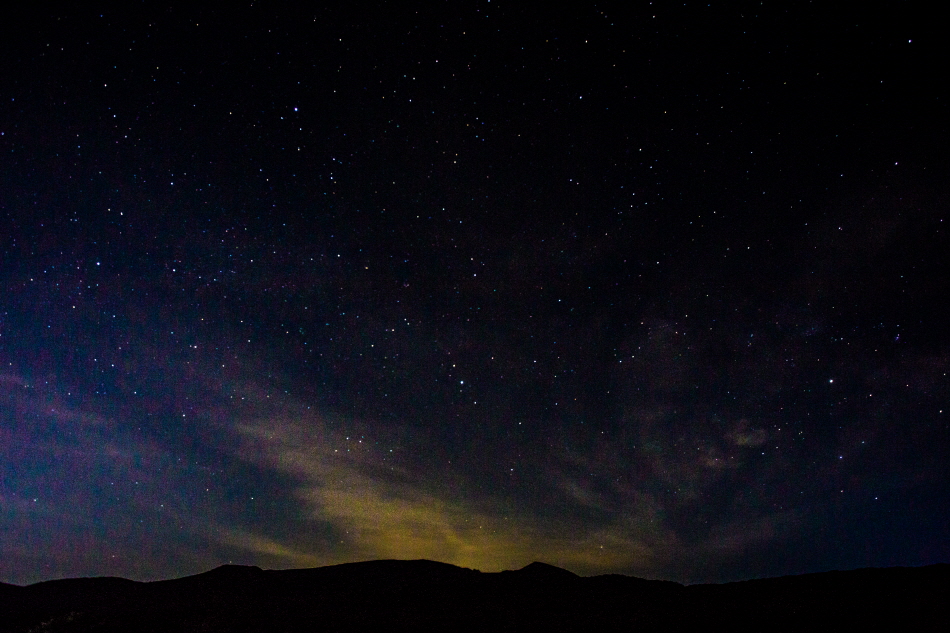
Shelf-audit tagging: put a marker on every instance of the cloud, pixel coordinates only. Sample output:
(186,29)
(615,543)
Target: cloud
(752,437)
(268,547)
(90,492)
(736,536)
(646,502)
(7,380)
(381,507)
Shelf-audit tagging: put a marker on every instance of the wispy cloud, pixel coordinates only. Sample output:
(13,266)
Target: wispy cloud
(380,508)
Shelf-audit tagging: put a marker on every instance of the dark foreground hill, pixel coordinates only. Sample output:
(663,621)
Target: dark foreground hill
(429,596)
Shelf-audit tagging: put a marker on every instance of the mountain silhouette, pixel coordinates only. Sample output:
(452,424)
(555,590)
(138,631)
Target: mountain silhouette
(422,595)
(545,572)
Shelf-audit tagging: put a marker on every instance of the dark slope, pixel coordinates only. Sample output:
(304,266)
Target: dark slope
(841,600)
(425,595)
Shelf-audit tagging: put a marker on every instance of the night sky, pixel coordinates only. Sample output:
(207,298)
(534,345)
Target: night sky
(654,289)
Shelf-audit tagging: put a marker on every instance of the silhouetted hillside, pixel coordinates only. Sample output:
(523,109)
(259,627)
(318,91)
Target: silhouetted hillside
(424,595)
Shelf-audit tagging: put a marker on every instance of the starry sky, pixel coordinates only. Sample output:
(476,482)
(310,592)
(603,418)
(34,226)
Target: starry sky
(646,288)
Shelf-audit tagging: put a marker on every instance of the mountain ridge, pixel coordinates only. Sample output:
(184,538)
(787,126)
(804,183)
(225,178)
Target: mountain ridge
(423,594)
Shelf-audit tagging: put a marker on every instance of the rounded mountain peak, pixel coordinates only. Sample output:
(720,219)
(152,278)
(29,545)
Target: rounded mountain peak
(543,570)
